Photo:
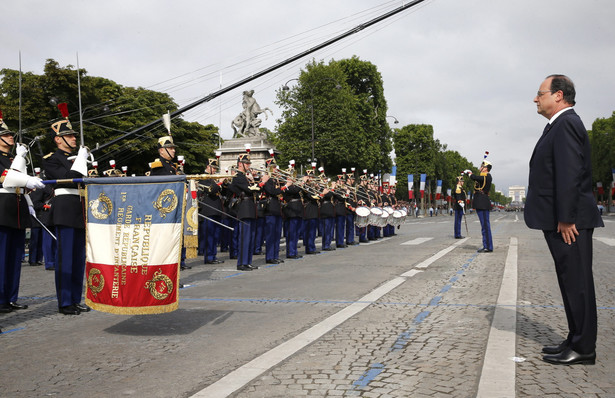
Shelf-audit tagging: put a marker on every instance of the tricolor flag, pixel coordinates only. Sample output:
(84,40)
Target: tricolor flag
(600,188)
(439,189)
(422,186)
(133,243)
(411,186)
(448,194)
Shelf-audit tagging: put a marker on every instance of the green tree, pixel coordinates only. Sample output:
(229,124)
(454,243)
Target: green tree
(602,139)
(109,110)
(349,117)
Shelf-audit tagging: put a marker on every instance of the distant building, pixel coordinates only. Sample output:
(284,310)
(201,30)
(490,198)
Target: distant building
(517,193)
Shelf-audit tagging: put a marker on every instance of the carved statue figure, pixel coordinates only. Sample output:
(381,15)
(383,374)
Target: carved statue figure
(247,123)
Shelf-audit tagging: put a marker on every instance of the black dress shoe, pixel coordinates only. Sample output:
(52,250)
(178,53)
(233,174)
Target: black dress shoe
(69,310)
(233,257)
(50,269)
(341,247)
(294,257)
(214,262)
(459,237)
(570,357)
(82,307)
(185,267)
(314,252)
(271,262)
(483,250)
(243,268)
(279,261)
(16,306)
(354,243)
(252,266)
(329,249)
(364,241)
(5,309)
(555,349)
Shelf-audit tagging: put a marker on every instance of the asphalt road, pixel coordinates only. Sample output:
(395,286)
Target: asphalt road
(414,315)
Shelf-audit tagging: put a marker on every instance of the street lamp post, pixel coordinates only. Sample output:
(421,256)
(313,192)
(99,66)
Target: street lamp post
(311,87)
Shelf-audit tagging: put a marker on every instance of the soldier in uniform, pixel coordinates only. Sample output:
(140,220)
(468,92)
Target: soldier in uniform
(310,219)
(273,213)
(351,205)
(482,204)
(327,215)
(211,207)
(459,198)
(246,212)
(68,217)
(293,213)
(41,199)
(164,165)
(340,195)
(15,217)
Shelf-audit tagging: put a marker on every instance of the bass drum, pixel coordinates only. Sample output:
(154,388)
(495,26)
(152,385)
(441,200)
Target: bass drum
(362,217)
(375,216)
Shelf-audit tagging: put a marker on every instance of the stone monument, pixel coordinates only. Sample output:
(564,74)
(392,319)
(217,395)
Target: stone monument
(246,134)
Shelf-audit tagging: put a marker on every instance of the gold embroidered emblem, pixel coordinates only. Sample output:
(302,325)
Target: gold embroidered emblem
(101,207)
(96,281)
(166,202)
(192,218)
(160,286)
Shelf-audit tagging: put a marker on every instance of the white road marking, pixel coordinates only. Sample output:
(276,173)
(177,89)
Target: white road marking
(606,241)
(416,241)
(498,376)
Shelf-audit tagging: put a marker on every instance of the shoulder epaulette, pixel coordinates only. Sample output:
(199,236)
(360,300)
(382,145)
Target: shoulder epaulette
(49,154)
(156,164)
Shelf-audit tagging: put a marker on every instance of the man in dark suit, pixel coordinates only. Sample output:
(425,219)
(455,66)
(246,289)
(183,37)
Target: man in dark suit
(561,204)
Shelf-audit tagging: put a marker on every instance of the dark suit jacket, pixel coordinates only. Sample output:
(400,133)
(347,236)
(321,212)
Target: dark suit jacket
(560,182)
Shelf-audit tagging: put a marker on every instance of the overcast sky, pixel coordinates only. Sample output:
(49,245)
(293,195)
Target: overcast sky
(469,68)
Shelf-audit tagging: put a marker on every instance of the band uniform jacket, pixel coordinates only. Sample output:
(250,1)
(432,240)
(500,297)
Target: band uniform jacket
(327,209)
(340,203)
(560,178)
(312,207)
(272,190)
(13,207)
(40,198)
(163,167)
(294,204)
(482,185)
(210,197)
(246,207)
(66,210)
(459,194)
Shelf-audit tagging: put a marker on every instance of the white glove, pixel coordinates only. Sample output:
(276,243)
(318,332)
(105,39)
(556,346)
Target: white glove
(32,211)
(468,172)
(34,183)
(81,161)
(83,153)
(21,150)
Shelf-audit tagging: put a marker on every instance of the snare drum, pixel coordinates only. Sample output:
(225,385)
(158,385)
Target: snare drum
(362,217)
(375,216)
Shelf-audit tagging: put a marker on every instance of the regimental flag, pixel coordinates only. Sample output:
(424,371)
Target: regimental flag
(191,220)
(422,186)
(439,189)
(133,243)
(411,186)
(449,192)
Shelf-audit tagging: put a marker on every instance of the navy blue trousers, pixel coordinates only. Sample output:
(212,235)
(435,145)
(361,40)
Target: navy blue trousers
(328,225)
(50,248)
(485,228)
(12,247)
(309,234)
(259,235)
(293,230)
(340,230)
(350,228)
(35,248)
(70,265)
(210,237)
(246,241)
(458,217)
(273,233)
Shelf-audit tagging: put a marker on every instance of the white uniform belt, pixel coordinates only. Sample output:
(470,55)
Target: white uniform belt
(8,190)
(66,191)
